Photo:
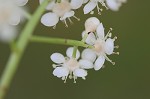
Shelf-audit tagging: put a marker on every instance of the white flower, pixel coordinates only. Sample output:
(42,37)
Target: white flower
(108,4)
(115,4)
(10,15)
(103,46)
(10,12)
(92,4)
(60,11)
(7,33)
(69,66)
(91,24)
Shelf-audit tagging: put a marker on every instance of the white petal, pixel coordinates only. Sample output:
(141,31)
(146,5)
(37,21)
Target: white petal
(80,73)
(100,31)
(57,58)
(113,4)
(85,64)
(67,15)
(88,54)
(109,46)
(90,39)
(99,62)
(50,5)
(69,52)
(60,72)
(89,7)
(91,24)
(49,19)
(7,33)
(15,19)
(21,2)
(75,4)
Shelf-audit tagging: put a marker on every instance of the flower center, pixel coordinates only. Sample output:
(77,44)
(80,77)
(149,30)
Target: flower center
(5,14)
(61,8)
(72,64)
(99,46)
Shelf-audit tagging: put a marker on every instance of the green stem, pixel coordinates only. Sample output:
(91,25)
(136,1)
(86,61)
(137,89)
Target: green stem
(75,51)
(26,14)
(60,41)
(21,44)
(76,47)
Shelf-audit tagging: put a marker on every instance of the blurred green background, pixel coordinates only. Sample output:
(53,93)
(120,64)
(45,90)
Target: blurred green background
(128,79)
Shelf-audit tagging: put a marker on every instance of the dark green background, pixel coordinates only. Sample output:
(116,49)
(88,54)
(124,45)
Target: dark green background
(128,79)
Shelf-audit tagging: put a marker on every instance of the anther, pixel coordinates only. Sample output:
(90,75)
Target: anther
(65,79)
(117,53)
(92,12)
(83,78)
(115,38)
(54,65)
(70,77)
(74,78)
(117,46)
(111,29)
(113,63)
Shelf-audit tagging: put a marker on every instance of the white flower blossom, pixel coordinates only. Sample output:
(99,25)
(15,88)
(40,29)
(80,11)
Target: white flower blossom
(91,24)
(70,67)
(93,4)
(103,46)
(60,11)
(10,15)
(114,5)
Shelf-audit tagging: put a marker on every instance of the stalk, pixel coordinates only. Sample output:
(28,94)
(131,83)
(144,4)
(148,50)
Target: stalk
(21,44)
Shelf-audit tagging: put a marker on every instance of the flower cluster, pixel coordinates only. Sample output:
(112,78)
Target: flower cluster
(114,5)
(64,9)
(11,14)
(74,67)
(99,45)
(60,11)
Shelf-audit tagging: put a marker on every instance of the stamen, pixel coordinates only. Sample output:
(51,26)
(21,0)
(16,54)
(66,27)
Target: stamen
(115,38)
(116,46)
(108,34)
(54,65)
(74,78)
(104,5)
(66,25)
(70,21)
(92,12)
(117,53)
(54,27)
(99,9)
(70,76)
(109,59)
(76,18)
(65,79)
(83,78)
